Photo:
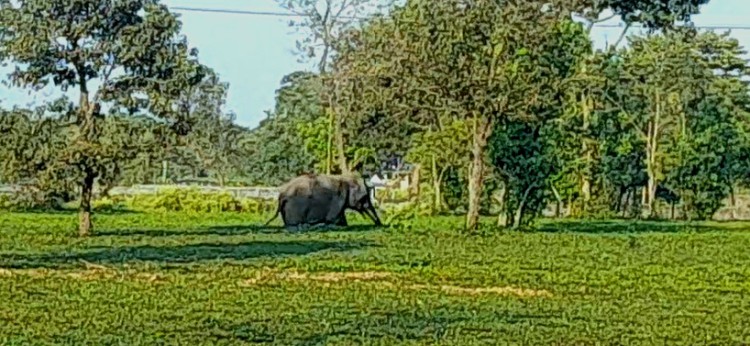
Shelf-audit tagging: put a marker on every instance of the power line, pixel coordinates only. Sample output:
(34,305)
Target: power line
(226,11)
(288,14)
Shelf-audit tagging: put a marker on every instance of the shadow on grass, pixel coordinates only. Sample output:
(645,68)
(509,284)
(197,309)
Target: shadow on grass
(384,326)
(626,227)
(70,212)
(225,231)
(179,254)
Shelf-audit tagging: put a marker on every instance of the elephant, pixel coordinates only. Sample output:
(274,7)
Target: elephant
(315,199)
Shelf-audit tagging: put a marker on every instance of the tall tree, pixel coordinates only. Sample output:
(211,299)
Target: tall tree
(325,21)
(664,77)
(482,61)
(438,152)
(713,149)
(284,144)
(654,15)
(214,140)
(118,53)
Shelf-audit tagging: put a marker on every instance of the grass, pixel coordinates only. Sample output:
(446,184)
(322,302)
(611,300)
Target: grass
(220,279)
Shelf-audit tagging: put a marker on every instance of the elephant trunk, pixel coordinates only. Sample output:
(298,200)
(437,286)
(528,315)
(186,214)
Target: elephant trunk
(373,214)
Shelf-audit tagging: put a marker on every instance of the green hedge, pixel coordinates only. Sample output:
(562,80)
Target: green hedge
(188,200)
(194,200)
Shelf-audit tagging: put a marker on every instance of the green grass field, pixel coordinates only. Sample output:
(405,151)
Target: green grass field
(219,279)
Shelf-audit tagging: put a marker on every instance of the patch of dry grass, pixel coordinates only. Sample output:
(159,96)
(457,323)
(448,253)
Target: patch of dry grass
(90,273)
(386,280)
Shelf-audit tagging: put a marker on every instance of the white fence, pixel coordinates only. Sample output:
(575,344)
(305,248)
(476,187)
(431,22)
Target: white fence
(239,192)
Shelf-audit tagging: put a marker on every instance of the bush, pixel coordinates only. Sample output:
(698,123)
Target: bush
(193,200)
(109,204)
(5,203)
(391,195)
(30,199)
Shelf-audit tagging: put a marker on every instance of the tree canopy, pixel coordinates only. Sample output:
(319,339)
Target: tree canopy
(503,107)
(124,54)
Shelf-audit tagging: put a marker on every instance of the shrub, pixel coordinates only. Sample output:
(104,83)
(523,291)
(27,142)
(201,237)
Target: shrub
(30,199)
(193,200)
(5,203)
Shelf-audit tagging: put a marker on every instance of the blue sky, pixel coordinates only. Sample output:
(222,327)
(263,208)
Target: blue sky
(253,53)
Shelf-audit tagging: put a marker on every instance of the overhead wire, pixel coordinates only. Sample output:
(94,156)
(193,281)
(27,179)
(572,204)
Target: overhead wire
(289,14)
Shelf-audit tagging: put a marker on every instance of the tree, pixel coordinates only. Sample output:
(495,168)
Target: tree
(523,154)
(130,48)
(287,142)
(438,152)
(214,139)
(713,151)
(481,62)
(31,145)
(654,15)
(664,76)
(326,20)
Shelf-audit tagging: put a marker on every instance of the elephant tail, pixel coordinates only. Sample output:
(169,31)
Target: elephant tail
(276,214)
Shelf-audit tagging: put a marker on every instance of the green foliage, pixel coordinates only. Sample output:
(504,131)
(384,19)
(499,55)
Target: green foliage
(522,155)
(654,14)
(438,152)
(195,201)
(132,49)
(445,85)
(325,22)
(214,143)
(288,142)
(316,136)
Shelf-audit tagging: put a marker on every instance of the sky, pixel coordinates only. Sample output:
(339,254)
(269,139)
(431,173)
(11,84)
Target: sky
(253,53)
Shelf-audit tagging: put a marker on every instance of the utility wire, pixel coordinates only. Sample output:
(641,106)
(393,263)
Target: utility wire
(288,14)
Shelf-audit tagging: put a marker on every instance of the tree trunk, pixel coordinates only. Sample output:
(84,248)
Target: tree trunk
(653,137)
(518,216)
(329,141)
(437,180)
(85,225)
(438,198)
(416,181)
(88,134)
(325,23)
(502,215)
(482,132)
(585,176)
(671,217)
(650,195)
(733,201)
(435,188)
(339,137)
(558,201)
(164,171)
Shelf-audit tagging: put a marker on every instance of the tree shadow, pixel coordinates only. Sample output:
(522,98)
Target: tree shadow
(379,326)
(180,254)
(625,227)
(228,231)
(177,232)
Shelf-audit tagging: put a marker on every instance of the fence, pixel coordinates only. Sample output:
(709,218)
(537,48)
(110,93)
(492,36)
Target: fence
(239,192)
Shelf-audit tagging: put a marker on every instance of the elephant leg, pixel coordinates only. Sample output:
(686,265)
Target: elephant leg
(342,220)
(294,212)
